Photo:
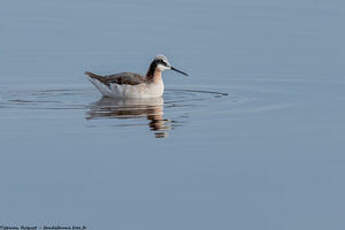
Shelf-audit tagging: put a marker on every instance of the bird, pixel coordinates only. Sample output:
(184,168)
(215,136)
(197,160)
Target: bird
(133,85)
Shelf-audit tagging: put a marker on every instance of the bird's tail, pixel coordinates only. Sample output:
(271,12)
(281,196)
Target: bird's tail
(95,76)
(92,75)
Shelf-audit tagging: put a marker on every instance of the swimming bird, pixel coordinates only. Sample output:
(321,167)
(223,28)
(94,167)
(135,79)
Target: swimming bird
(133,85)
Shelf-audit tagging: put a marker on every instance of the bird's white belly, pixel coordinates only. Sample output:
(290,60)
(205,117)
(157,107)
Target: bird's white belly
(144,90)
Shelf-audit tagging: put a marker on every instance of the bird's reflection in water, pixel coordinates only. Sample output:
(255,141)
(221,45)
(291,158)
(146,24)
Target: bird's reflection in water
(151,108)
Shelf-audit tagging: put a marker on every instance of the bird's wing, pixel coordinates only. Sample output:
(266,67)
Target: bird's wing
(125,78)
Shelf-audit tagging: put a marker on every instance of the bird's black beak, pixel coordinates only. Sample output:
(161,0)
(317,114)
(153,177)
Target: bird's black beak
(179,71)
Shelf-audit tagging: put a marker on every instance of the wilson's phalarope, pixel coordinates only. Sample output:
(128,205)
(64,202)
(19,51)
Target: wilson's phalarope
(132,85)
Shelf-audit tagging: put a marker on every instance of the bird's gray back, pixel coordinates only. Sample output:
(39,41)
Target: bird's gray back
(125,78)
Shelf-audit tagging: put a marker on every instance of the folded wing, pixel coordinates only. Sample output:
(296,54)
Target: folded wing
(125,78)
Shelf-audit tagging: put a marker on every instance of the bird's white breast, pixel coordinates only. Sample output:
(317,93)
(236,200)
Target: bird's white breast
(143,90)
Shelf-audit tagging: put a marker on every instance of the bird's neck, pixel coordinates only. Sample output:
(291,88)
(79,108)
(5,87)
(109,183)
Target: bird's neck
(154,76)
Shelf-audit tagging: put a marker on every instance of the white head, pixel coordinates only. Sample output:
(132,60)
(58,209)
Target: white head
(162,62)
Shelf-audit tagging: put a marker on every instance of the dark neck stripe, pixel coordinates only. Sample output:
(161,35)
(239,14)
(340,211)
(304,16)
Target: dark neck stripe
(152,68)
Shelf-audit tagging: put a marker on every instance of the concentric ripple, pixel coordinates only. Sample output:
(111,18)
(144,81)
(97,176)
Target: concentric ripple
(82,98)
(176,108)
(128,112)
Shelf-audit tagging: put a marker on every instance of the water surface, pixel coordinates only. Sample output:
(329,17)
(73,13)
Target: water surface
(254,139)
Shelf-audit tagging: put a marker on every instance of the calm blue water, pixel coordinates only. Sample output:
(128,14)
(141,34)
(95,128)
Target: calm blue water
(254,139)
